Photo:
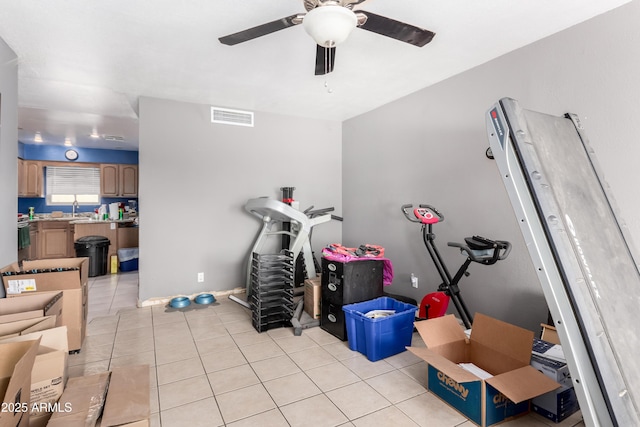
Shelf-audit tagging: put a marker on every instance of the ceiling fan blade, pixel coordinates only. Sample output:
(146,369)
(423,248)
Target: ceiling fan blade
(396,29)
(325,59)
(261,30)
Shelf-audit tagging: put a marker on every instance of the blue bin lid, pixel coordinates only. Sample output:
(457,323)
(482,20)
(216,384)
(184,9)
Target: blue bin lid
(127,254)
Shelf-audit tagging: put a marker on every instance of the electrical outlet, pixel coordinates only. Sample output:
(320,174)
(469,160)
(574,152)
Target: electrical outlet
(414,280)
(201,277)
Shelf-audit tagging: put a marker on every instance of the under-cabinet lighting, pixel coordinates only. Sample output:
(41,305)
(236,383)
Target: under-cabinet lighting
(67,142)
(38,137)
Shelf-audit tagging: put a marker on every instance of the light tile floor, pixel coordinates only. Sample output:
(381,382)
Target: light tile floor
(209,367)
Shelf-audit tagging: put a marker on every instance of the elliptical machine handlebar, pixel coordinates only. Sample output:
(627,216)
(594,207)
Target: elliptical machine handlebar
(424,214)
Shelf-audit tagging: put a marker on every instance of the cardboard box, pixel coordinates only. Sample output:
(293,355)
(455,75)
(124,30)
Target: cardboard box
(128,398)
(312,289)
(502,349)
(21,327)
(561,403)
(32,306)
(49,373)
(121,396)
(16,362)
(81,402)
(72,283)
(549,334)
(6,318)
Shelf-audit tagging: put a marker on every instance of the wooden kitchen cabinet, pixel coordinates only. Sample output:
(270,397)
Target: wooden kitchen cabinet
(118,180)
(109,176)
(128,180)
(53,240)
(30,178)
(22,182)
(32,252)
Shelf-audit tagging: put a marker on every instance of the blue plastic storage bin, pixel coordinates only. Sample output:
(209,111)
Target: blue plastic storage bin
(380,337)
(128,258)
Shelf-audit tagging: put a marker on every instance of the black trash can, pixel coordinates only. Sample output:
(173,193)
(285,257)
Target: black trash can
(96,249)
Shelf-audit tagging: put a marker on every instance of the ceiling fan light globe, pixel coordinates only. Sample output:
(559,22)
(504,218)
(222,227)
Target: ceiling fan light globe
(329,25)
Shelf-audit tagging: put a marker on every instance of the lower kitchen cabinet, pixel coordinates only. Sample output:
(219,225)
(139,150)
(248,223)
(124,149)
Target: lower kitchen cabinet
(55,239)
(32,251)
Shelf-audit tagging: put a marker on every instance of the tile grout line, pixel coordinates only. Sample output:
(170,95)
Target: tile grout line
(206,374)
(155,359)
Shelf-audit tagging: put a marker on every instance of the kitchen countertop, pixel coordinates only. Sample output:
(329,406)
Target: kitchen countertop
(101,221)
(82,220)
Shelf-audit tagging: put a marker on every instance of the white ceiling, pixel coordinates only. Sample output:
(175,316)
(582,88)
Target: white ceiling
(83,64)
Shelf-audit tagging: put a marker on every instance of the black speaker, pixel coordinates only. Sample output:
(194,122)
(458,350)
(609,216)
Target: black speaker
(346,283)
(332,320)
(349,282)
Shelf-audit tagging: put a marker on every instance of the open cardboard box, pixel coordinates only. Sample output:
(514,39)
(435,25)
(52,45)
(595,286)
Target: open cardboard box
(549,334)
(127,402)
(81,401)
(31,307)
(121,396)
(502,349)
(72,283)
(26,326)
(16,362)
(49,373)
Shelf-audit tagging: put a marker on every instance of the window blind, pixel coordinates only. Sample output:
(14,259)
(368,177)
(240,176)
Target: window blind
(72,183)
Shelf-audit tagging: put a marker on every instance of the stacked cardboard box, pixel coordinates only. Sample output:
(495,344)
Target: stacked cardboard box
(16,362)
(49,372)
(42,277)
(500,349)
(41,320)
(32,313)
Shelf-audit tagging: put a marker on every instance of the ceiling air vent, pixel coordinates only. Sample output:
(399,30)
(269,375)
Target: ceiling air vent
(231,117)
(114,138)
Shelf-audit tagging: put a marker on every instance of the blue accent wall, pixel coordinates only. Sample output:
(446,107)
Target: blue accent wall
(56,153)
(92,155)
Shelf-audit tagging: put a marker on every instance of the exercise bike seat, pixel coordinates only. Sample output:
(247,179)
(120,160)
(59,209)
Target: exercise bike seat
(478,243)
(484,251)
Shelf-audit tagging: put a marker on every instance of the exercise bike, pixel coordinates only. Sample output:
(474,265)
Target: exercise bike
(477,249)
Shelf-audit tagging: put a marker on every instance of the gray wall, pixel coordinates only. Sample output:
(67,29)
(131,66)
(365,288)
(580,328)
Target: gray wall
(187,161)
(429,148)
(8,155)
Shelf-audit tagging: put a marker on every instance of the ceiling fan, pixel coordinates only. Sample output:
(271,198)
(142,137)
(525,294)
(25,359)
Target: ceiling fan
(329,22)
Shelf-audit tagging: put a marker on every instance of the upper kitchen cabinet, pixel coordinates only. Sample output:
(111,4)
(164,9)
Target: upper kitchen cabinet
(30,178)
(119,180)
(129,180)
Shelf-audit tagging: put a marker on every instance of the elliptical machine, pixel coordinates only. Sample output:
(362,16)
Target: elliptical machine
(477,249)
